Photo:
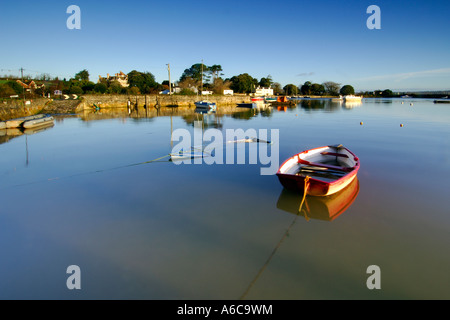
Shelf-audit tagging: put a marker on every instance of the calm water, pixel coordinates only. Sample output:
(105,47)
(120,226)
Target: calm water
(70,195)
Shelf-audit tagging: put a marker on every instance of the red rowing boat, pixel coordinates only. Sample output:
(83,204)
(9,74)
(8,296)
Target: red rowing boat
(319,172)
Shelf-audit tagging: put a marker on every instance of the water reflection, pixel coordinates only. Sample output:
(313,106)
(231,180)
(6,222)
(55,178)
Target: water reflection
(8,134)
(247,114)
(320,105)
(319,208)
(204,119)
(351,104)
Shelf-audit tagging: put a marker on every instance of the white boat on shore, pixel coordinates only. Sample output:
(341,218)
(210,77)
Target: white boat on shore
(352,98)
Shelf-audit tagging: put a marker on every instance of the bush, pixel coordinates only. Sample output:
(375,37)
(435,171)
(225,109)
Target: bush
(133,91)
(18,89)
(6,91)
(186,92)
(100,87)
(76,90)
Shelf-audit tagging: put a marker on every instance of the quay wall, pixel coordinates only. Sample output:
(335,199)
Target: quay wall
(12,109)
(121,101)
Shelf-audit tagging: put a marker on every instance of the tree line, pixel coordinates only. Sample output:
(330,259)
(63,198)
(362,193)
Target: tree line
(198,77)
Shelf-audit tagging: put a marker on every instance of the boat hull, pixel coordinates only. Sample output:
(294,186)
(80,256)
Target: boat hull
(288,177)
(246,105)
(352,98)
(205,105)
(31,124)
(16,123)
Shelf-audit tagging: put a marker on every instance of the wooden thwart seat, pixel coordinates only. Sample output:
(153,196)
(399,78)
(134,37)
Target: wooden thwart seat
(334,154)
(321,165)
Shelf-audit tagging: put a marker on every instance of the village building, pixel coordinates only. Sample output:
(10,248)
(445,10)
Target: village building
(120,77)
(30,85)
(263,91)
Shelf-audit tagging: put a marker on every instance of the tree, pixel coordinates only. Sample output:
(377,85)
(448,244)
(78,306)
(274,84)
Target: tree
(317,89)
(195,72)
(87,86)
(347,90)
(243,83)
(266,82)
(144,81)
(115,87)
(387,93)
(189,84)
(219,85)
(100,87)
(306,88)
(290,89)
(76,90)
(277,88)
(332,88)
(215,71)
(82,75)
(133,91)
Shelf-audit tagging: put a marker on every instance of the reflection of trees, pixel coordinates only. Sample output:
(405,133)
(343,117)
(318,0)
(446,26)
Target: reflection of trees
(313,105)
(209,120)
(247,114)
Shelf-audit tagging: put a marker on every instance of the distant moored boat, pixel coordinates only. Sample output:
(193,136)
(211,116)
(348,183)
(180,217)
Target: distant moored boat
(352,98)
(207,105)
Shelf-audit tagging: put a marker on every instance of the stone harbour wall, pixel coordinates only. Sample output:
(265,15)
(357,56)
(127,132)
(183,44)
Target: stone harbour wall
(121,101)
(16,108)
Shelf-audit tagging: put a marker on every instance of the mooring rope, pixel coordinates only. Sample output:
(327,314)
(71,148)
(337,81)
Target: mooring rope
(305,192)
(286,234)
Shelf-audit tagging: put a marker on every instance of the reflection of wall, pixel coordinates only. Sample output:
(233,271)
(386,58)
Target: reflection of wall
(120,101)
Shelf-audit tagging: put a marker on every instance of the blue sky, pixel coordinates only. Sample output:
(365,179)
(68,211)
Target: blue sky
(293,41)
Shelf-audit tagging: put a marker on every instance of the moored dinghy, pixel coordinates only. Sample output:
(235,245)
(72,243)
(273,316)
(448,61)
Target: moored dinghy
(44,121)
(319,172)
(16,123)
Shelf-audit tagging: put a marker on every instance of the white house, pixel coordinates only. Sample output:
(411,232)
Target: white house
(263,91)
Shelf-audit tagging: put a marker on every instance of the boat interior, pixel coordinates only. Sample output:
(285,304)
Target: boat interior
(326,164)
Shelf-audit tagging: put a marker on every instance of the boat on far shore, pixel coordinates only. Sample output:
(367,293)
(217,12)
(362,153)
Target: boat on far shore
(351,97)
(246,105)
(257,99)
(444,100)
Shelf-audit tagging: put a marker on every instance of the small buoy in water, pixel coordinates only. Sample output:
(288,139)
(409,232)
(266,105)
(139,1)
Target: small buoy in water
(361,123)
(401,125)
(411,104)
(402,102)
